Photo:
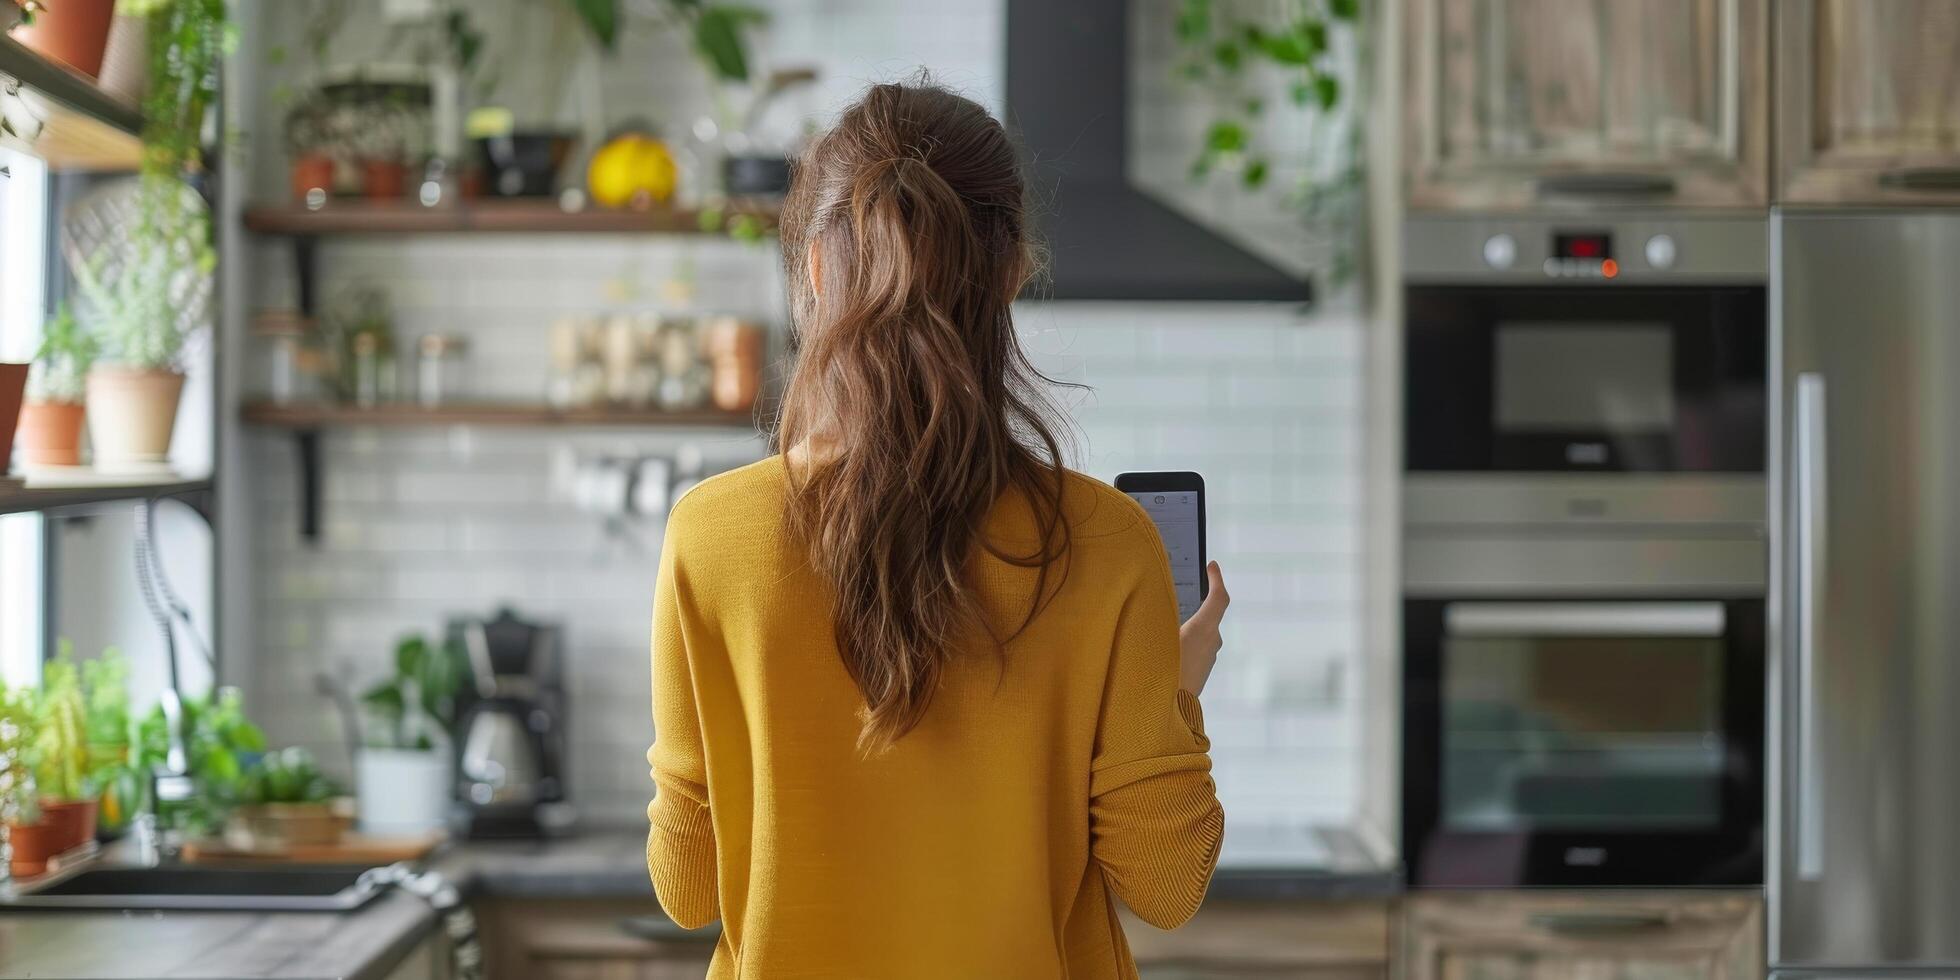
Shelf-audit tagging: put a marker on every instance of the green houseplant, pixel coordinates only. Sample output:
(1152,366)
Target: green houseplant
(284,801)
(51,417)
(403,775)
(221,744)
(138,304)
(1240,57)
(31,841)
(107,733)
(63,775)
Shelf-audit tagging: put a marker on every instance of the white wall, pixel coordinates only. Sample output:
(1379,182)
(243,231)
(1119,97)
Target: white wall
(421,524)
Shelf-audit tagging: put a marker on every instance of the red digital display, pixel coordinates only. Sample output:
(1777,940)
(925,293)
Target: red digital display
(1582,245)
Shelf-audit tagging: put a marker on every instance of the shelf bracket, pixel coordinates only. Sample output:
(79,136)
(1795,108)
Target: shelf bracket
(306,442)
(305,274)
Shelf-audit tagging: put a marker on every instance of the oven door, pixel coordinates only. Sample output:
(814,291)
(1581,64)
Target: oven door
(1586,379)
(1583,743)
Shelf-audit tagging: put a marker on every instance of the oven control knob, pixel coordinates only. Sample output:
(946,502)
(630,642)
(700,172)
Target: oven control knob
(1660,251)
(1500,251)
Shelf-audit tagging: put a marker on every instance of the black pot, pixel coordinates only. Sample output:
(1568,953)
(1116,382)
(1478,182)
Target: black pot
(523,164)
(765,176)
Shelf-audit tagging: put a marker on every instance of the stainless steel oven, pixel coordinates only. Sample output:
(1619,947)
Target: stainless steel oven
(1584,560)
(1585,345)
(1574,742)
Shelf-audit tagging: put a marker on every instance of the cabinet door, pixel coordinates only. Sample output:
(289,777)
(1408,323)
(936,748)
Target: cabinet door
(1868,101)
(1229,940)
(583,939)
(1533,103)
(1532,936)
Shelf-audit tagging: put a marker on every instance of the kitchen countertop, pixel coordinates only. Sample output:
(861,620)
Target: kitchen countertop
(368,943)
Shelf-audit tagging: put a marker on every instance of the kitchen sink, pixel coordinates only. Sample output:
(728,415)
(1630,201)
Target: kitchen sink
(315,889)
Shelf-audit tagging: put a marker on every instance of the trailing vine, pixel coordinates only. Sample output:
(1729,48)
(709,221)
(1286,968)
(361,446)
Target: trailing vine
(1235,59)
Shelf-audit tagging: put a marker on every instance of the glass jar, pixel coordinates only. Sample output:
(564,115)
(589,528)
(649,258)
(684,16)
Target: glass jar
(441,371)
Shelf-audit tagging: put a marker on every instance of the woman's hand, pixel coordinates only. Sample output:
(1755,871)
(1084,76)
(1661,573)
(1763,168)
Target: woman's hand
(1199,635)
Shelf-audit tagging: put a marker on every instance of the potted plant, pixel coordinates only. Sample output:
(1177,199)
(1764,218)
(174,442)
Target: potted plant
(63,777)
(403,775)
(13,381)
(51,418)
(137,304)
(72,32)
(30,840)
(284,801)
(106,734)
(220,744)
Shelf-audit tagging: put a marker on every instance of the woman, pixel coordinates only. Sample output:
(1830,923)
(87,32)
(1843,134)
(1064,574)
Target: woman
(921,706)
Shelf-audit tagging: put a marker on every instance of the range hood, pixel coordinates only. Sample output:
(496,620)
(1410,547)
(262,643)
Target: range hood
(1068,74)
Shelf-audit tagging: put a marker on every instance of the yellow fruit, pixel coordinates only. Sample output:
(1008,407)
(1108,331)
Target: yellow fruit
(629,168)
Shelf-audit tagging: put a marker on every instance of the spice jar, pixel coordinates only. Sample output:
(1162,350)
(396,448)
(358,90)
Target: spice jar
(683,379)
(735,363)
(282,354)
(374,368)
(440,370)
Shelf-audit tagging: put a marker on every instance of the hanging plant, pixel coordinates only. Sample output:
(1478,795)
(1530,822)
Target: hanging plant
(1238,61)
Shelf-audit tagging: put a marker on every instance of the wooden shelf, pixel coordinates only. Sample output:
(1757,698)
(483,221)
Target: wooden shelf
(67,495)
(84,128)
(320,416)
(365,217)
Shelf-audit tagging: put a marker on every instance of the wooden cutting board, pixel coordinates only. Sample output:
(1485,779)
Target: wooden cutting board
(351,849)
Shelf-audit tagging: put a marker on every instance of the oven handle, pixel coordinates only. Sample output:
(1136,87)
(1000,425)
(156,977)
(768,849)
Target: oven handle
(1810,505)
(1682,619)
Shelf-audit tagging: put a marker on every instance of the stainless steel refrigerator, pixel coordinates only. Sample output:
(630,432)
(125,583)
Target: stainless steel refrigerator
(1864,788)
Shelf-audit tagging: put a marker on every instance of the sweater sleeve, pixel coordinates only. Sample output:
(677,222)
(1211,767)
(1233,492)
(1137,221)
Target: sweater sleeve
(681,836)
(1154,818)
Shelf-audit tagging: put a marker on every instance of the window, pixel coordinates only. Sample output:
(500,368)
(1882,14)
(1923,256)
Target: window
(23,275)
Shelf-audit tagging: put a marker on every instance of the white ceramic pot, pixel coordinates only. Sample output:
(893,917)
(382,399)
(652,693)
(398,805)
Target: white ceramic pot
(131,413)
(402,792)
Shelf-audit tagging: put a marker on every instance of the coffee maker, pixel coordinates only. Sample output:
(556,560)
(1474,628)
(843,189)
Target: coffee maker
(510,750)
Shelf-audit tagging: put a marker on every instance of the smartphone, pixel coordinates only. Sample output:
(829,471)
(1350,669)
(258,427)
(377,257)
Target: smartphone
(1175,502)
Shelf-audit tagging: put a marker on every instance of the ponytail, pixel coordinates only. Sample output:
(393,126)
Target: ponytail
(911,392)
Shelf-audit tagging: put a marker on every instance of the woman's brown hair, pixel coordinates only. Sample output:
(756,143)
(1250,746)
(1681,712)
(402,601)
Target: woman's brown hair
(911,397)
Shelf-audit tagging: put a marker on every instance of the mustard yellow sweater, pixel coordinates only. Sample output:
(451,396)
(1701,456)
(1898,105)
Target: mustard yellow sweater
(992,842)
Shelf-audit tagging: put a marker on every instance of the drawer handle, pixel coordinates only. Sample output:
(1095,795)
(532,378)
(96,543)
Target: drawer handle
(1599,923)
(1922,178)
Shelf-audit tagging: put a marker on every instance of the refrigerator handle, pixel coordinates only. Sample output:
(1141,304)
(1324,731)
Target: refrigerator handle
(1810,502)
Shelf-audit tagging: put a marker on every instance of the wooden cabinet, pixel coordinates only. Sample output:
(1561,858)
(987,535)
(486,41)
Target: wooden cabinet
(1228,940)
(589,940)
(1533,103)
(1868,101)
(1598,936)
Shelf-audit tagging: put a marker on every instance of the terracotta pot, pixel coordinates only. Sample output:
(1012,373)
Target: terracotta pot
(13,382)
(72,822)
(130,415)
(51,433)
(311,172)
(384,179)
(73,32)
(33,844)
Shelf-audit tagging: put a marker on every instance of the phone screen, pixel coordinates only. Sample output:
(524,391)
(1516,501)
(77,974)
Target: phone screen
(1175,512)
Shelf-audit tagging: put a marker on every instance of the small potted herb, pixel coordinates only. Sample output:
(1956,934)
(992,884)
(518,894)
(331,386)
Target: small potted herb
(73,32)
(403,772)
(284,801)
(51,417)
(63,776)
(31,840)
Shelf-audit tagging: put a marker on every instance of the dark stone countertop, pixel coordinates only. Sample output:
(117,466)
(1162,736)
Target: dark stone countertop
(371,942)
